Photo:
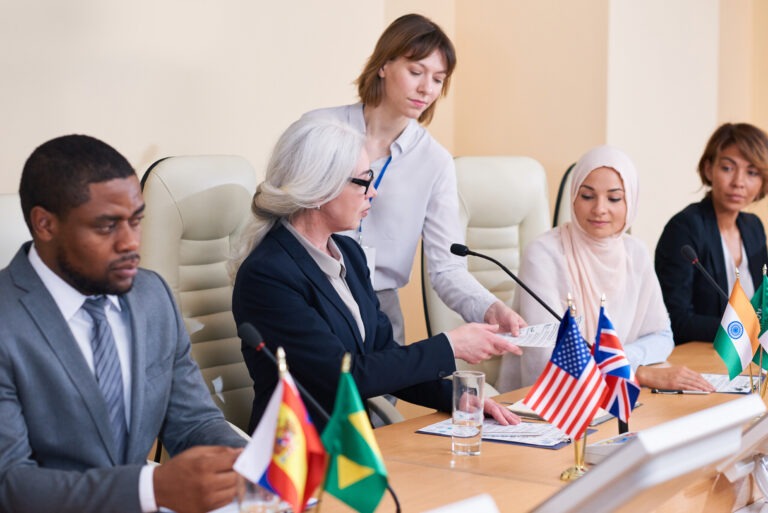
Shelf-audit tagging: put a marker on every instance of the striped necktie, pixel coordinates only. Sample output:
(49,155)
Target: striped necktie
(106,364)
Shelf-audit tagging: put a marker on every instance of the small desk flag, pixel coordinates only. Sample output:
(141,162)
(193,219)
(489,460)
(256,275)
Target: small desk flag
(356,472)
(623,388)
(760,304)
(736,339)
(570,390)
(285,454)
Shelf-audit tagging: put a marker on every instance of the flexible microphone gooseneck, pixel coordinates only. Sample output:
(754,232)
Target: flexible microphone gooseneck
(253,339)
(462,250)
(690,254)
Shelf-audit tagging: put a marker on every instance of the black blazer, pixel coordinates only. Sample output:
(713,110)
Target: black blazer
(695,307)
(284,294)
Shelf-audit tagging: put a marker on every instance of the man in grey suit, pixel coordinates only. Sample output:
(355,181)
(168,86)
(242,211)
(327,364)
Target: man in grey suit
(84,390)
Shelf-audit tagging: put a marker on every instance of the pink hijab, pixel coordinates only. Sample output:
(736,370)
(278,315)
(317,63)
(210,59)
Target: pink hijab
(612,266)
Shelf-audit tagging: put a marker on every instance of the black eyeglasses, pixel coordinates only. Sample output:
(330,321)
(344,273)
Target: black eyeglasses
(362,182)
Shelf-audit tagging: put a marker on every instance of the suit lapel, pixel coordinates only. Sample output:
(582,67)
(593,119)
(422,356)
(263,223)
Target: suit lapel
(56,333)
(718,258)
(312,271)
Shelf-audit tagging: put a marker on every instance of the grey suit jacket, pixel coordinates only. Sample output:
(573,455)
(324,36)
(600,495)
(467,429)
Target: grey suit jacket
(56,452)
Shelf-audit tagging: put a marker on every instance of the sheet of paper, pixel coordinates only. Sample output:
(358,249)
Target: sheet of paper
(528,433)
(539,335)
(738,385)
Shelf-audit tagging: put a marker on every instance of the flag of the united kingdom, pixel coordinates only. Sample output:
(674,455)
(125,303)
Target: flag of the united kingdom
(623,387)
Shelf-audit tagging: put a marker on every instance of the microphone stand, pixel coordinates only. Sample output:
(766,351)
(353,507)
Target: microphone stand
(461,250)
(249,335)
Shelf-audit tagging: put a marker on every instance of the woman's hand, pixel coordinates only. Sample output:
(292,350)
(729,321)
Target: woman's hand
(502,415)
(508,320)
(674,377)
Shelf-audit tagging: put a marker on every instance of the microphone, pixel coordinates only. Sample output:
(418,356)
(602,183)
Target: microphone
(690,254)
(253,339)
(462,250)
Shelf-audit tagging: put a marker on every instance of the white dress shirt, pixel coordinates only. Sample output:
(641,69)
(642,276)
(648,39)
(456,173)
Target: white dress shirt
(417,198)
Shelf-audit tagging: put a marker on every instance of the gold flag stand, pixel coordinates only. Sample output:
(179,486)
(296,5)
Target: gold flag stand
(579,446)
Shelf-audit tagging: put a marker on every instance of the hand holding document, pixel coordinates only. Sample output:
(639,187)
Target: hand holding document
(539,335)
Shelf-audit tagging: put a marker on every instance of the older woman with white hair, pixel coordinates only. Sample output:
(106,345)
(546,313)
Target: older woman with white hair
(309,290)
(594,255)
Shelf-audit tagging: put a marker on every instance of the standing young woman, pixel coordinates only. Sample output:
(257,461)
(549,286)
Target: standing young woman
(734,166)
(410,68)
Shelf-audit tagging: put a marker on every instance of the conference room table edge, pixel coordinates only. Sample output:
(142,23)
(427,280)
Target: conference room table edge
(425,474)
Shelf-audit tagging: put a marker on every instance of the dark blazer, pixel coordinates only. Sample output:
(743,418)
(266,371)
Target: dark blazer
(695,307)
(56,447)
(284,294)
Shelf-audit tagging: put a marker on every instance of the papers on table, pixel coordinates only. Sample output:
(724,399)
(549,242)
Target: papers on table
(524,411)
(738,385)
(539,335)
(526,433)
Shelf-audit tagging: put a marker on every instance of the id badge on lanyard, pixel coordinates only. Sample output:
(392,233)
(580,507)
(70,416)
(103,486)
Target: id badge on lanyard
(370,251)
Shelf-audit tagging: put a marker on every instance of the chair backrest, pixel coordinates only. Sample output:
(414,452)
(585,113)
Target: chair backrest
(562,212)
(13,229)
(195,209)
(503,205)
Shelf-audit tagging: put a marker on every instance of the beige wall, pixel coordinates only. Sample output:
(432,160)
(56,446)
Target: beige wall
(545,78)
(531,79)
(174,77)
(662,99)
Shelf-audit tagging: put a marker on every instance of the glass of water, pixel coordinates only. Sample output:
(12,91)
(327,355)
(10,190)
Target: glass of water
(467,429)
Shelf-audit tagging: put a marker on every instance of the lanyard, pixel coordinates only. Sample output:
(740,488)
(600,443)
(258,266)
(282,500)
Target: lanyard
(375,186)
(381,174)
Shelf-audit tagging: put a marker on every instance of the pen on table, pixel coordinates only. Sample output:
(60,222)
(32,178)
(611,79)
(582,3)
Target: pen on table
(675,392)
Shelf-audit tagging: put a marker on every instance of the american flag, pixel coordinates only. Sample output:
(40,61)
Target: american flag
(623,388)
(570,390)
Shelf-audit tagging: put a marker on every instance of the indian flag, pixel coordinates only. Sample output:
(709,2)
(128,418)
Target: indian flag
(736,339)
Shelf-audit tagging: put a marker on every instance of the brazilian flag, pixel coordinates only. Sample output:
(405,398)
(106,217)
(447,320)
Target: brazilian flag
(356,473)
(760,303)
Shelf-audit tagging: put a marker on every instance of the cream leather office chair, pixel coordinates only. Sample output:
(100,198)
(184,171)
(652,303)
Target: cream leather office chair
(503,205)
(195,207)
(13,230)
(562,212)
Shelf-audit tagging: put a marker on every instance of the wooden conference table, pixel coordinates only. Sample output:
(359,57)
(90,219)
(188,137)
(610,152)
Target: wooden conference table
(425,474)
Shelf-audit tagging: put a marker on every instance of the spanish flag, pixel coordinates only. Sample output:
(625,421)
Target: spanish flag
(285,454)
(736,339)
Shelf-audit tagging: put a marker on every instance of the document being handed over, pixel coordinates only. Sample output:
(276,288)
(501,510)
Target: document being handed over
(539,335)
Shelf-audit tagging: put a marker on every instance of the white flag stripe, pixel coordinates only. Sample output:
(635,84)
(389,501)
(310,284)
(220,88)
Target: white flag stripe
(255,458)
(741,344)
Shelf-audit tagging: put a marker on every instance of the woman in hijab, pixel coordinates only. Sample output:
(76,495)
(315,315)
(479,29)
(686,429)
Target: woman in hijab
(591,256)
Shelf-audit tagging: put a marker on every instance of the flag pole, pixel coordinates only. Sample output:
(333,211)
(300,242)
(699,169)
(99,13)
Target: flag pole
(762,382)
(749,365)
(579,446)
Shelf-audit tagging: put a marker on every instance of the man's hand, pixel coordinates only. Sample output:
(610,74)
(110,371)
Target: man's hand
(198,480)
(508,320)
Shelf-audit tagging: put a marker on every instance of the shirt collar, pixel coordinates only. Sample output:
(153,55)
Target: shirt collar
(332,266)
(66,297)
(404,142)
